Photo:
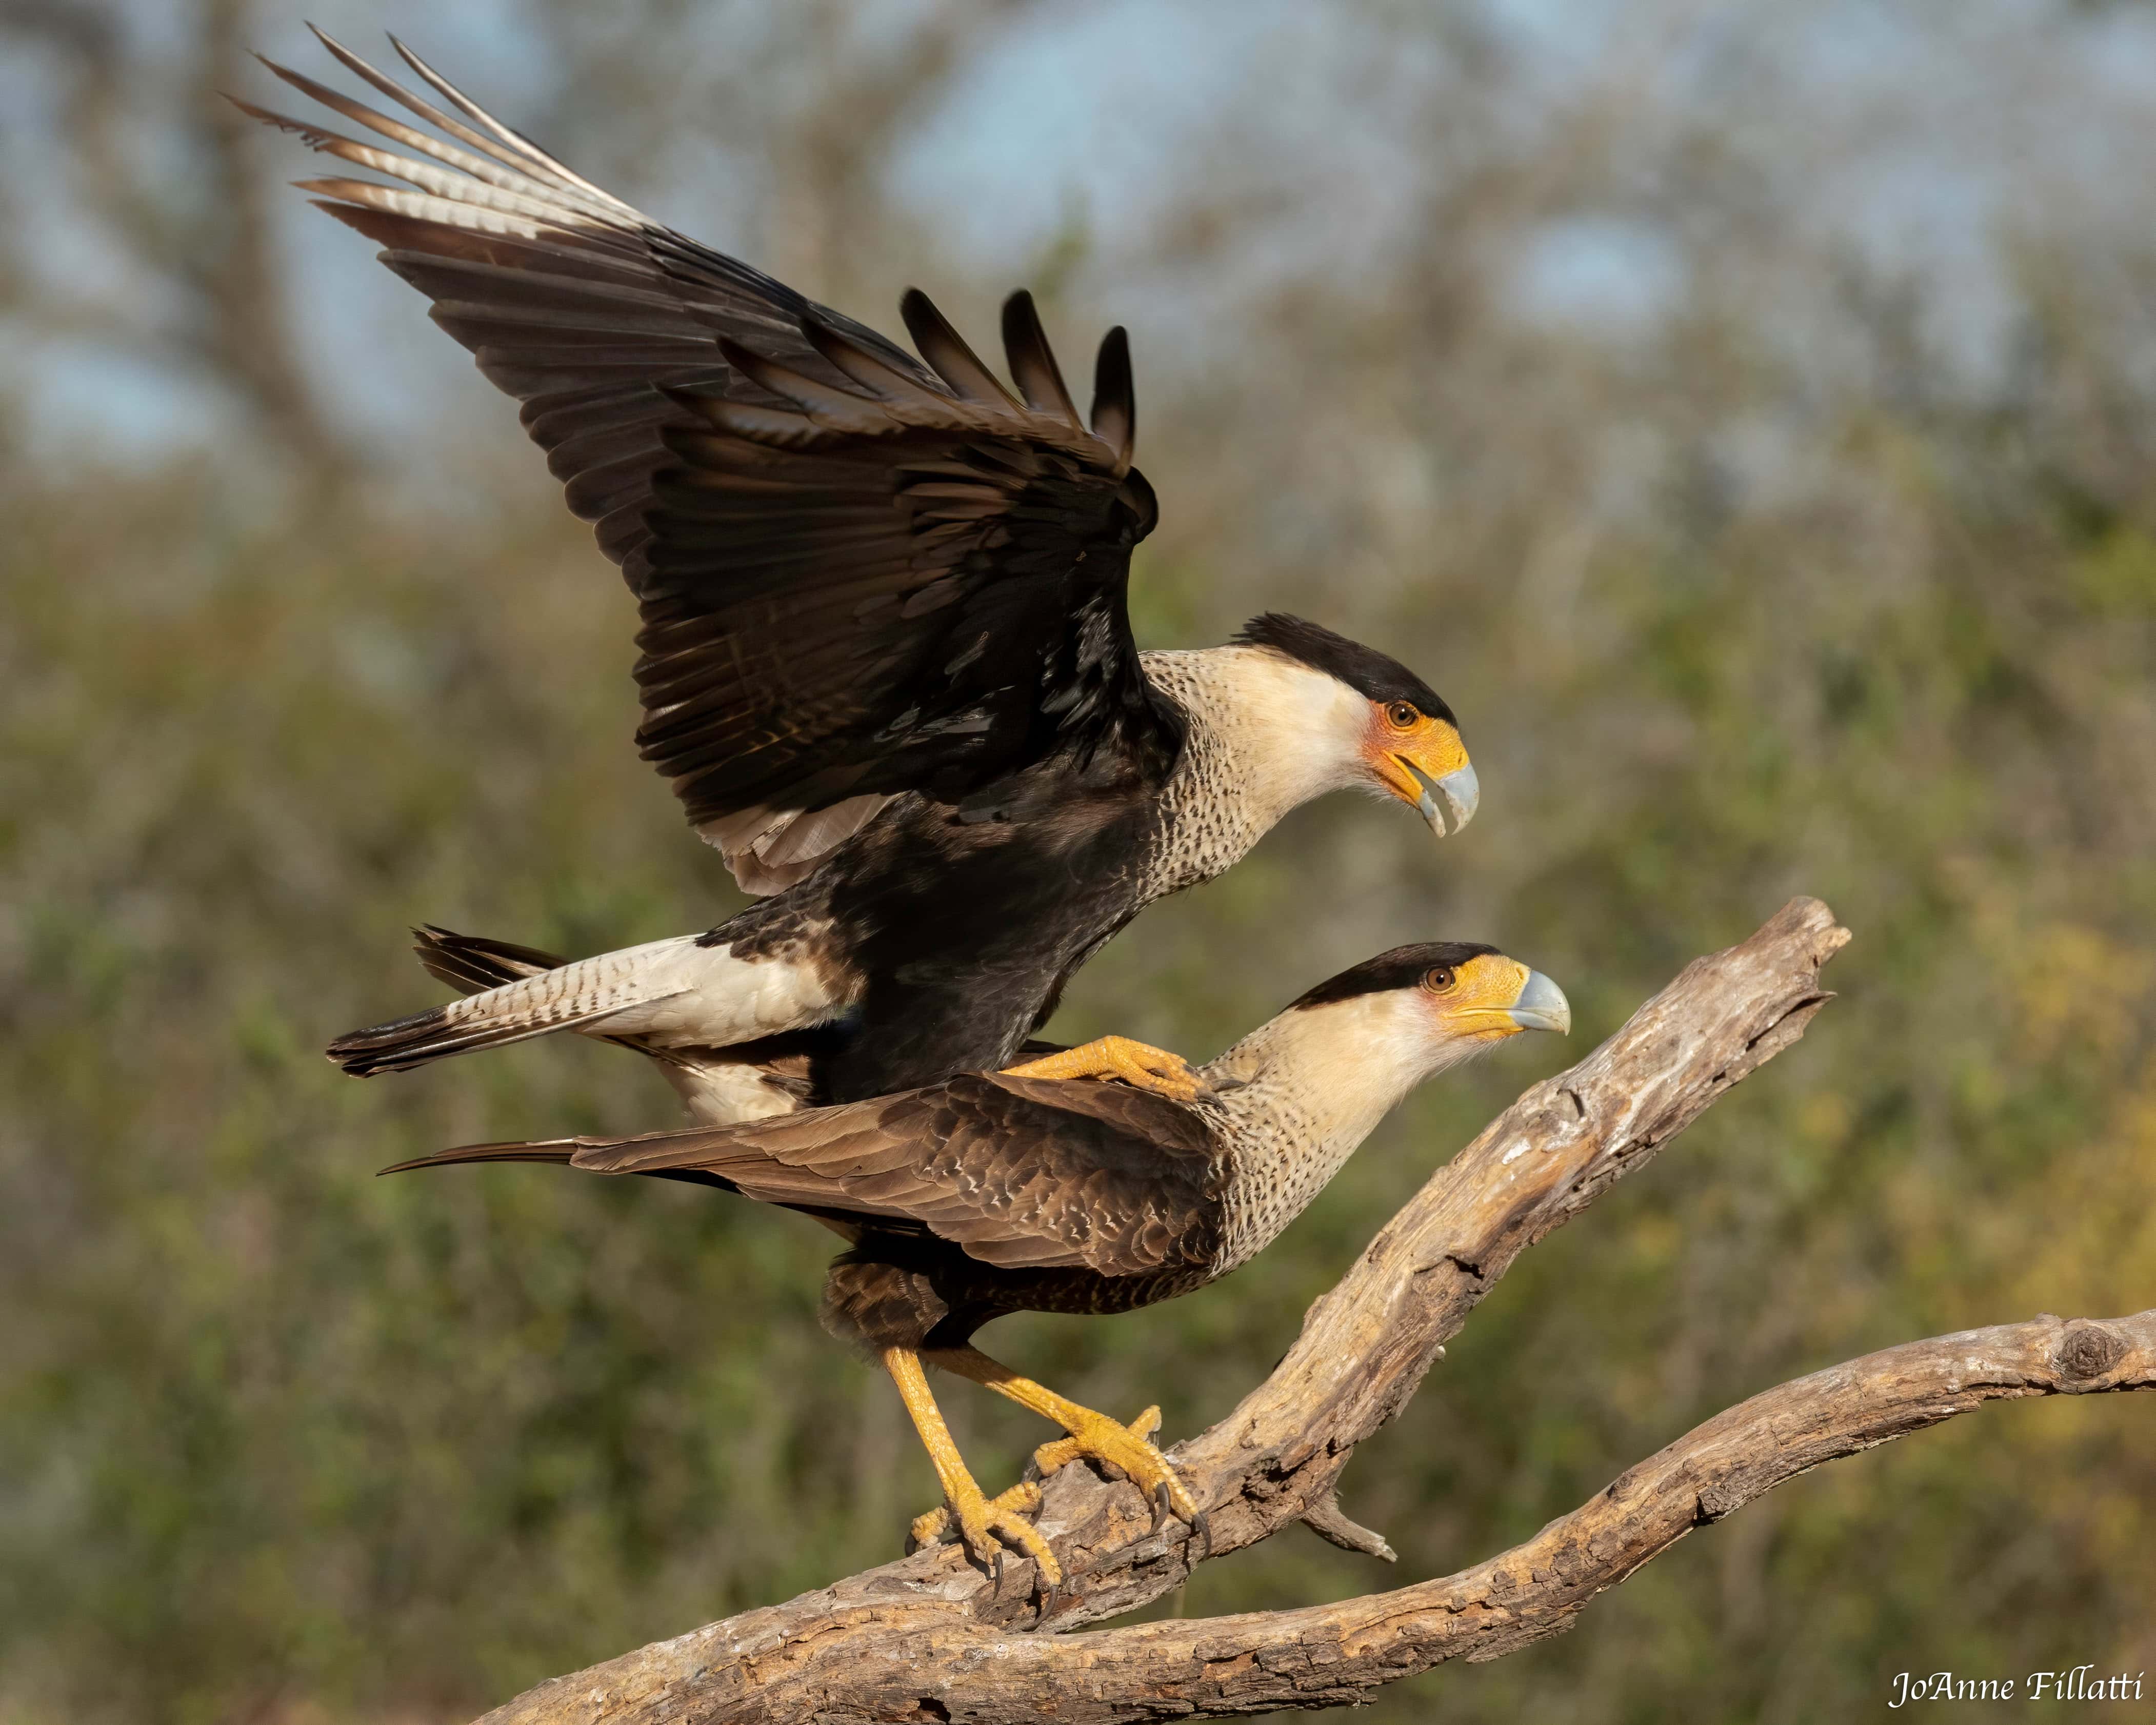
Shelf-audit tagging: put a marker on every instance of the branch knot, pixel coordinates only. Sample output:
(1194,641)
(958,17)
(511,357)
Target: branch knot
(2088,1351)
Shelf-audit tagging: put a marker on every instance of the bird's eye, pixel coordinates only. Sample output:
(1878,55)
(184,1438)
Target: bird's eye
(1439,980)
(1401,716)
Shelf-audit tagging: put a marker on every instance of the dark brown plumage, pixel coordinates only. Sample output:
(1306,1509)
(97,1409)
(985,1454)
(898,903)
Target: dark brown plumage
(738,445)
(1087,1190)
(887,659)
(990,1193)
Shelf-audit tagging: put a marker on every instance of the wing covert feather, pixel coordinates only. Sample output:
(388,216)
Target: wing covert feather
(1020,1173)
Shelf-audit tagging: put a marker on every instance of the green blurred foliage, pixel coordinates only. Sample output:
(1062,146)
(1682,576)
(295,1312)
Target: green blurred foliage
(280,1442)
(277,1436)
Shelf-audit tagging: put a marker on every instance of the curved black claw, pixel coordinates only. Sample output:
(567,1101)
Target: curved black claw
(1202,1527)
(1161,1510)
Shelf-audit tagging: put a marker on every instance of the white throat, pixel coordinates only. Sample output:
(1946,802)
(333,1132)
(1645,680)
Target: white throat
(1266,734)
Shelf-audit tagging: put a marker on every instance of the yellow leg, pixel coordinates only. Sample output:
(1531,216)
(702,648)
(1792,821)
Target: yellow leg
(1127,1447)
(1139,1063)
(979,1520)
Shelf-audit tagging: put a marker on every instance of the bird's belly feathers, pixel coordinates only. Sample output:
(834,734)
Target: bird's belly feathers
(915,1291)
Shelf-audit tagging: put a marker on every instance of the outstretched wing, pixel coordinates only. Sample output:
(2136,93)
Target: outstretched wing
(1018,1172)
(859,574)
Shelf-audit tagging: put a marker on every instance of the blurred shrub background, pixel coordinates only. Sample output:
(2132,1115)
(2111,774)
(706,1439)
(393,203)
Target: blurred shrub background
(1742,414)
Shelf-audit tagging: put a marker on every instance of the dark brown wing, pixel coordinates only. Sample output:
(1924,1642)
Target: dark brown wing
(1018,1173)
(859,574)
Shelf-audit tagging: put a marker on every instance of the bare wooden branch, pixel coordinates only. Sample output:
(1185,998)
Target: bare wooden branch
(1329,1523)
(930,1637)
(861,1667)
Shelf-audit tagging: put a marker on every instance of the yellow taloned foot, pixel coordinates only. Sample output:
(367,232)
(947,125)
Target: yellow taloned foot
(1064,1451)
(980,1520)
(936,1525)
(1137,1064)
(1127,1448)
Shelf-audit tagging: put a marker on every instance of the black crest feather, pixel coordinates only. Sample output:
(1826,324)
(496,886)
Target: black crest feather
(1402,967)
(1362,669)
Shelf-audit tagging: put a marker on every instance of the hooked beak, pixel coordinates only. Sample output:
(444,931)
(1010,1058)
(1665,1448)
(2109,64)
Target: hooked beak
(1542,1006)
(1447,803)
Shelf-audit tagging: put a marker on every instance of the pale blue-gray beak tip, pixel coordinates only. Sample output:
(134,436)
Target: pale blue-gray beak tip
(1542,1006)
(1447,803)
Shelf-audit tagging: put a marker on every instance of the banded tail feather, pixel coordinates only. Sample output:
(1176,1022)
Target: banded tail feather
(684,1004)
(535,1001)
(422,1038)
(471,963)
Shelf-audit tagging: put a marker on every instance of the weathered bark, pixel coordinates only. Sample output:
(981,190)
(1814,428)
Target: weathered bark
(860,1662)
(929,1637)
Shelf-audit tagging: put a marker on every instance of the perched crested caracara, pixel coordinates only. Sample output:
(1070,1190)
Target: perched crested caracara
(887,661)
(989,1193)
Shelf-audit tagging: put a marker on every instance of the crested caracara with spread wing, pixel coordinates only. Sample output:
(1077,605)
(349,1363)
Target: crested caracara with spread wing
(989,1193)
(887,664)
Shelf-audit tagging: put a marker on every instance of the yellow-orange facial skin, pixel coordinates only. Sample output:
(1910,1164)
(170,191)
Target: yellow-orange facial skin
(1474,1001)
(1401,737)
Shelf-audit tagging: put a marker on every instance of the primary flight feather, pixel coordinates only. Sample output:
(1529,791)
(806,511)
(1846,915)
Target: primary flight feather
(886,663)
